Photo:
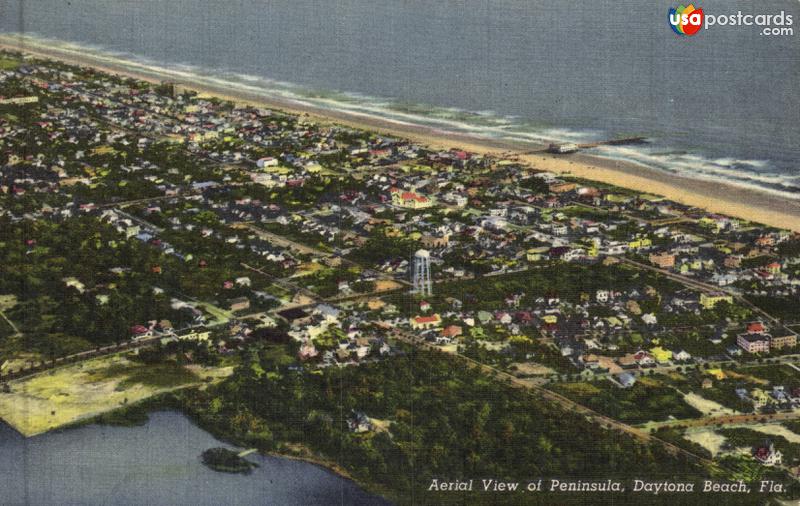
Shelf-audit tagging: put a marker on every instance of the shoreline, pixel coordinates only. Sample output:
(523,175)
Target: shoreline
(138,414)
(713,196)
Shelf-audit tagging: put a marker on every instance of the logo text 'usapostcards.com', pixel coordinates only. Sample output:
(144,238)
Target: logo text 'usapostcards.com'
(688,20)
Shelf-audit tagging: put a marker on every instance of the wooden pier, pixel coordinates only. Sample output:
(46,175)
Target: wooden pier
(245,453)
(614,142)
(609,142)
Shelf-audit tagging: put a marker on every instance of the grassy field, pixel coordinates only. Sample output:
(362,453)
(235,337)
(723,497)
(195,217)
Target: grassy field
(70,394)
(8,64)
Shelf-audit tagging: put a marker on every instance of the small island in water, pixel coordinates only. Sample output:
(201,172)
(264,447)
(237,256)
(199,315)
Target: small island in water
(226,461)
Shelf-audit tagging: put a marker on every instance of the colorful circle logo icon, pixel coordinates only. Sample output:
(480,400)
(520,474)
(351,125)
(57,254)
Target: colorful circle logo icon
(686,20)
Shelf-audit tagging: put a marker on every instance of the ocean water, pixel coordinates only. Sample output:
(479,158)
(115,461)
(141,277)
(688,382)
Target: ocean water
(722,105)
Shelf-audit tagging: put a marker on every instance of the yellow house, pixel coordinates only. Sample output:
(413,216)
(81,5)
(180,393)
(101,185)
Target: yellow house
(710,300)
(661,355)
(760,397)
(707,221)
(394,232)
(642,242)
(103,150)
(717,373)
(201,335)
(535,254)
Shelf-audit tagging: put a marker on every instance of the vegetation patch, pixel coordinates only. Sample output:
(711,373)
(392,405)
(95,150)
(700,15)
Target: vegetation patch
(638,404)
(226,461)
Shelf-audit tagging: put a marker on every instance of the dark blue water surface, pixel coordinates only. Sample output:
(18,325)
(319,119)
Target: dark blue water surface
(155,464)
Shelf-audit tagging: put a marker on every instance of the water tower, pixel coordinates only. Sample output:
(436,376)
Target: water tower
(421,272)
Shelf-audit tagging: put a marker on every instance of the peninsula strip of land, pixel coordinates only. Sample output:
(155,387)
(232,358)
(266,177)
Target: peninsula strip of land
(714,196)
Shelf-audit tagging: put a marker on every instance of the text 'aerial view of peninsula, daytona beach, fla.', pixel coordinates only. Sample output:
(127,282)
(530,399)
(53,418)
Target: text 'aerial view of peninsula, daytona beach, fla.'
(381,252)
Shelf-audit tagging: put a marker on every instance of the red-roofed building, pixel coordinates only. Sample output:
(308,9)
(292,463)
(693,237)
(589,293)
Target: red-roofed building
(409,199)
(768,455)
(425,322)
(765,240)
(452,331)
(643,358)
(140,331)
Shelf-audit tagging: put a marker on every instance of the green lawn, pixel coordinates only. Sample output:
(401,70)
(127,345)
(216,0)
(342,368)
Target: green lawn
(160,376)
(8,63)
(164,375)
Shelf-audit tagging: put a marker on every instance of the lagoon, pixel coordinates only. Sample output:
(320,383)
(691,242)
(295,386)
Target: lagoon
(156,463)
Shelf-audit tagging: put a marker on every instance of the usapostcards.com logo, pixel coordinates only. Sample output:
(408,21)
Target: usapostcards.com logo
(688,20)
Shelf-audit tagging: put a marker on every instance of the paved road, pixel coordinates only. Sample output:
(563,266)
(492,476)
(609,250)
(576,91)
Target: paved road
(10,323)
(281,241)
(727,420)
(285,284)
(48,365)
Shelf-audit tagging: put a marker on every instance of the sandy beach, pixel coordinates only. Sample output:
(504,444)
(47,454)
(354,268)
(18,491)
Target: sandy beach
(714,196)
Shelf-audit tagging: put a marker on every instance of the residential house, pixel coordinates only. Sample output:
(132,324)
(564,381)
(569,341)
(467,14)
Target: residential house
(239,304)
(425,322)
(768,455)
(307,350)
(662,260)
(626,379)
(682,356)
(359,422)
(195,335)
(661,355)
(710,300)
(452,331)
